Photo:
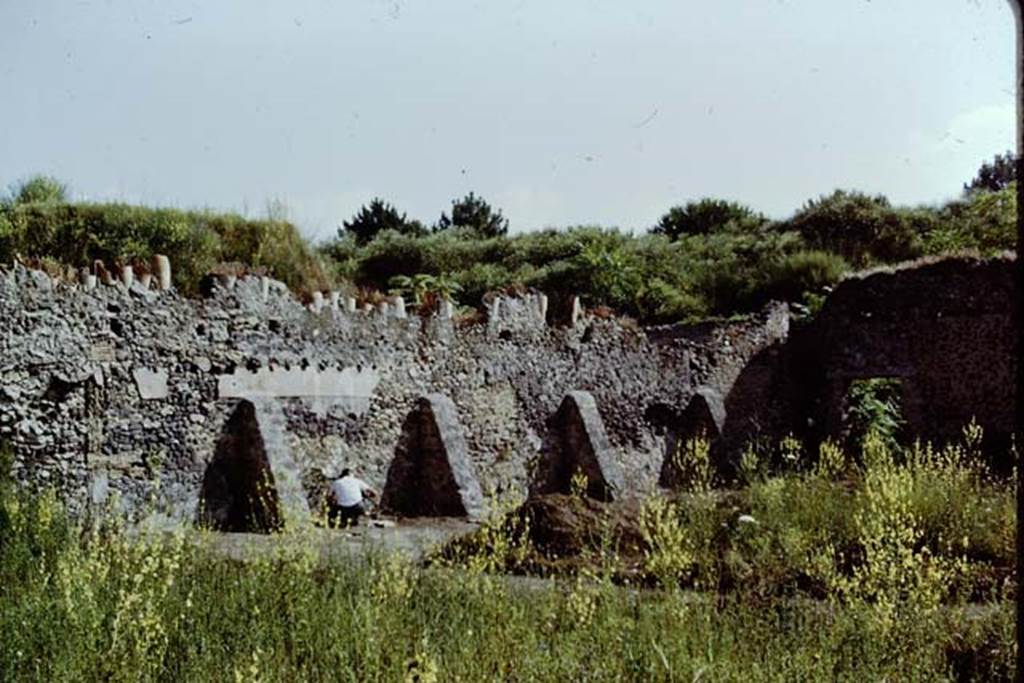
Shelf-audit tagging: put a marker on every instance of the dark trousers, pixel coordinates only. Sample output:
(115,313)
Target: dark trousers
(338,516)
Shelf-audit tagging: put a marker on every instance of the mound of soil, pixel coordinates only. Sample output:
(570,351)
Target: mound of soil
(561,525)
(565,535)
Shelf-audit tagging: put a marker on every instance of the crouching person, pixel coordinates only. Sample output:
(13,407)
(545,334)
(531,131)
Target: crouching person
(346,503)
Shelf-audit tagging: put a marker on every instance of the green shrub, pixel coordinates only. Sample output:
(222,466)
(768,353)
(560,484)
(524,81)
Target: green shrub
(860,228)
(983,221)
(706,216)
(195,241)
(873,407)
(40,189)
(792,276)
(481,278)
(389,255)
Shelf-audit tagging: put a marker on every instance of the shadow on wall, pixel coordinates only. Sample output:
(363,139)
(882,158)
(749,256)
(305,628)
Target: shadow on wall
(577,446)
(431,474)
(703,418)
(758,410)
(238,492)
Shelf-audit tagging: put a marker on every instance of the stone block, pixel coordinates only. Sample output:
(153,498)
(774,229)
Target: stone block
(350,388)
(152,384)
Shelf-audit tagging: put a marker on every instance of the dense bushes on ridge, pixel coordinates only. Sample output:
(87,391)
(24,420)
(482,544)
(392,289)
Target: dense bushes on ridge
(196,241)
(707,258)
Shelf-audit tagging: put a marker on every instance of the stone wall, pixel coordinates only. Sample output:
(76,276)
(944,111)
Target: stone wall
(945,329)
(128,391)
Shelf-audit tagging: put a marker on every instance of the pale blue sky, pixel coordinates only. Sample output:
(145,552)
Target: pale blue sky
(558,113)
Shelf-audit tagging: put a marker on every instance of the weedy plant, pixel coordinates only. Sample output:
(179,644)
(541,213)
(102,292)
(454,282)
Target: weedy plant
(896,565)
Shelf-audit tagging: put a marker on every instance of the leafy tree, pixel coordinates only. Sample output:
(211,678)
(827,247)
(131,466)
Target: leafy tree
(375,219)
(995,175)
(858,227)
(706,216)
(475,214)
(41,189)
(985,221)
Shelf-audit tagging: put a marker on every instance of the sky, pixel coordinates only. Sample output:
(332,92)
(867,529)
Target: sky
(567,113)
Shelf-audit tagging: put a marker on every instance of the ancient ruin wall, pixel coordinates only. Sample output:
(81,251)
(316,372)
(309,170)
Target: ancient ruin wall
(946,330)
(115,393)
(124,393)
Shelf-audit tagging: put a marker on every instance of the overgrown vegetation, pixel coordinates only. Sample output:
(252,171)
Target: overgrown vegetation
(703,258)
(37,222)
(896,565)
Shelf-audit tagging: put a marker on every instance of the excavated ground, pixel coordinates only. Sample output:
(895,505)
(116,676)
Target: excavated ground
(414,538)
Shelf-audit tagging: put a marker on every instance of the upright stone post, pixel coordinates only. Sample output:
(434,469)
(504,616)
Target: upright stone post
(318,302)
(383,307)
(335,297)
(577,310)
(399,304)
(127,276)
(350,304)
(446,309)
(542,304)
(88,279)
(161,266)
(145,280)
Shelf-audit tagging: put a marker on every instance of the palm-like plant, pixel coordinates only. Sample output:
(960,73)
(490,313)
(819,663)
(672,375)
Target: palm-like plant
(425,290)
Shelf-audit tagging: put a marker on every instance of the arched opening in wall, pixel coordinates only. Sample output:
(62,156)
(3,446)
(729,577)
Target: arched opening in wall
(577,452)
(872,405)
(431,474)
(238,492)
(702,420)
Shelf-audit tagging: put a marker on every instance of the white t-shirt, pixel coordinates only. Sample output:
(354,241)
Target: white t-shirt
(348,491)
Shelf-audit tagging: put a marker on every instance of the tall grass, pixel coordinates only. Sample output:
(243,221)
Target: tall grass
(839,571)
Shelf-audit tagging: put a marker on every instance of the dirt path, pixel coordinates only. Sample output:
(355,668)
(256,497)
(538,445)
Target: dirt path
(411,538)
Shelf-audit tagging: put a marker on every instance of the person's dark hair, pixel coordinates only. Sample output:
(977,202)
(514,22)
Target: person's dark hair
(345,472)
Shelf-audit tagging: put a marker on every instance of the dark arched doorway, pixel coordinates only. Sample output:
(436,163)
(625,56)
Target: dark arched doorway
(238,492)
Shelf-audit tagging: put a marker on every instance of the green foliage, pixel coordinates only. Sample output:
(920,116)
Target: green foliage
(424,289)
(475,215)
(896,557)
(479,279)
(983,221)
(873,408)
(707,216)
(195,241)
(860,228)
(793,276)
(40,189)
(377,218)
(706,258)
(606,273)
(995,175)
